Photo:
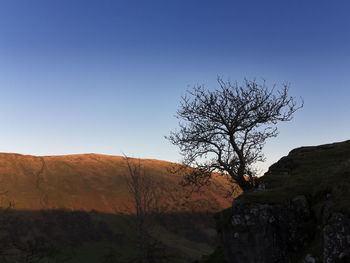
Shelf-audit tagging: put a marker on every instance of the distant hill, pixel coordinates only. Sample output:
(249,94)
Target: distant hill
(77,208)
(94,182)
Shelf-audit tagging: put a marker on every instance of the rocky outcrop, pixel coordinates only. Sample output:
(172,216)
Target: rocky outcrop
(336,239)
(276,233)
(262,233)
(299,213)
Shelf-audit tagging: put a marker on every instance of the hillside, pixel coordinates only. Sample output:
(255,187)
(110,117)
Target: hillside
(300,212)
(77,208)
(320,172)
(94,182)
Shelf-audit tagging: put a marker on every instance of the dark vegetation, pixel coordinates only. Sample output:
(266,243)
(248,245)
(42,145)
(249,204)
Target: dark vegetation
(151,212)
(146,197)
(77,236)
(216,257)
(322,173)
(49,236)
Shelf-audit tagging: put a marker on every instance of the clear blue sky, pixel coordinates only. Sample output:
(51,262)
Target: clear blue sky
(106,76)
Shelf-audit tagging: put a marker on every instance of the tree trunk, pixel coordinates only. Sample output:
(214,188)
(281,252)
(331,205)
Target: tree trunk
(243,183)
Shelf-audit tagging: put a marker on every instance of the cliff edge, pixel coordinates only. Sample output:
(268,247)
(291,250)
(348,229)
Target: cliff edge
(301,212)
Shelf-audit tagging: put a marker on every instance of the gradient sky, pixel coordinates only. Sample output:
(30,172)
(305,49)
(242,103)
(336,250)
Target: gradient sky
(81,76)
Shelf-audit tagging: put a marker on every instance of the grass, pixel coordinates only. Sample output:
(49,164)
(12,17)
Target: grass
(92,182)
(321,173)
(88,204)
(216,257)
(79,236)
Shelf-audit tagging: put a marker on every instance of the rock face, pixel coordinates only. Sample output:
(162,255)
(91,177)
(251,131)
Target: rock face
(300,212)
(261,233)
(336,239)
(267,233)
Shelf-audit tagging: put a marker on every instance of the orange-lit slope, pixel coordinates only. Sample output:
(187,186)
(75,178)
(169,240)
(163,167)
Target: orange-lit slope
(93,182)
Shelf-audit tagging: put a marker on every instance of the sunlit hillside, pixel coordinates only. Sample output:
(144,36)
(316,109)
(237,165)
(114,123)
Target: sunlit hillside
(83,202)
(95,182)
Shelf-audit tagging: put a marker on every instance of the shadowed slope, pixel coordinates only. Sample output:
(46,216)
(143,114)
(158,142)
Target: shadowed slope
(94,182)
(314,171)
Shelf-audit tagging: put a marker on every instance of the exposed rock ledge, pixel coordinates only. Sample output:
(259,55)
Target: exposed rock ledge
(267,233)
(336,239)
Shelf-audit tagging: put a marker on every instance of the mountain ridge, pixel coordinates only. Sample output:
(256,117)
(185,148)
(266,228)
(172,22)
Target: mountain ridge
(92,182)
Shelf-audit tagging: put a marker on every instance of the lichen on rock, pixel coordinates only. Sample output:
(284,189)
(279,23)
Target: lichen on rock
(336,236)
(263,233)
(300,214)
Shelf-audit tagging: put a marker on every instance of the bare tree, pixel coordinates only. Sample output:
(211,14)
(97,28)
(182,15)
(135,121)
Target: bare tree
(224,130)
(146,196)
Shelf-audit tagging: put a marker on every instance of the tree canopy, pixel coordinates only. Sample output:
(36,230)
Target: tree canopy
(225,129)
